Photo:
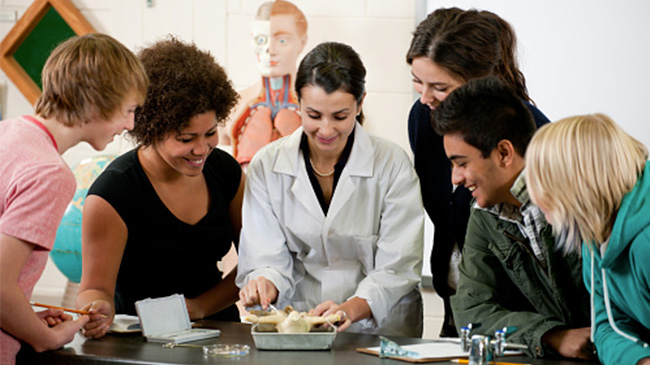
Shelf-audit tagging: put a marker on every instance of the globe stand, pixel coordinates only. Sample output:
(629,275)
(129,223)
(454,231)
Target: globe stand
(70,295)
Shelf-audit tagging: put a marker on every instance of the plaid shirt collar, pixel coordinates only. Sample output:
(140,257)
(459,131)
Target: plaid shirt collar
(529,218)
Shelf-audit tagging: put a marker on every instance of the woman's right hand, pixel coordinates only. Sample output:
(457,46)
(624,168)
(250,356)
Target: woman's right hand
(101,318)
(258,291)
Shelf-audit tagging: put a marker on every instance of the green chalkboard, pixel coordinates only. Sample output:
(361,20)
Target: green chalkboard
(35,49)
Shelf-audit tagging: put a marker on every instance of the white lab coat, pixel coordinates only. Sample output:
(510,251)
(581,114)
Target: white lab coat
(369,245)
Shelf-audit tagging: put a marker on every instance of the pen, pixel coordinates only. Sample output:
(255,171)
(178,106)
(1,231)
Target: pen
(465,361)
(61,308)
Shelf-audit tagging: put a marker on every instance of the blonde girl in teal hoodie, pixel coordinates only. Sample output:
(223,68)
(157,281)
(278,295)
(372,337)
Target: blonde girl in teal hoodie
(592,180)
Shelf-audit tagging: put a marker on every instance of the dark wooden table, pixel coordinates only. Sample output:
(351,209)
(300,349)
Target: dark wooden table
(134,349)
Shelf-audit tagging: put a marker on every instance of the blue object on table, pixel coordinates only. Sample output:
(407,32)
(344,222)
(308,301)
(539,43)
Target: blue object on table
(390,348)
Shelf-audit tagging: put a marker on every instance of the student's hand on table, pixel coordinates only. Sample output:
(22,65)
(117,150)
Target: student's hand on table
(62,333)
(258,291)
(101,318)
(329,307)
(571,342)
(51,317)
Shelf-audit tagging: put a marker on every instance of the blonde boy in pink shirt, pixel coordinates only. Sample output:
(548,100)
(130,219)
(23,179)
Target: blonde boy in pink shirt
(91,87)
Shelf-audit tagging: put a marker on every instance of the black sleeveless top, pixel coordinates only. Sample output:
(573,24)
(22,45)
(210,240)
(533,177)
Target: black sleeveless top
(163,255)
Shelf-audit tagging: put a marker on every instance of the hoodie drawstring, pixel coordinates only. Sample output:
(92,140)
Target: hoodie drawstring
(591,294)
(608,307)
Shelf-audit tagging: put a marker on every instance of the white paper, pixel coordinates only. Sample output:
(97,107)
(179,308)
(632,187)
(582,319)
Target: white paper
(433,350)
(124,323)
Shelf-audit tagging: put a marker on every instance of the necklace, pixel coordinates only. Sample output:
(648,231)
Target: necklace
(318,172)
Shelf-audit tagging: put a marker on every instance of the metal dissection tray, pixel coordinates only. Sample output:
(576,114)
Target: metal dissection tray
(322,339)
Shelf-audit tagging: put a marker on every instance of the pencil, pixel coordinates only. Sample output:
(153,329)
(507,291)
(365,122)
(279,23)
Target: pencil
(61,308)
(465,361)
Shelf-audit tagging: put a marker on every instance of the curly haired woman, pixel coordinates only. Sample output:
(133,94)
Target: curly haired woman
(156,222)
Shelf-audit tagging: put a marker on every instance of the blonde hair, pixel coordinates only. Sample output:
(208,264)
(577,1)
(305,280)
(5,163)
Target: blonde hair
(579,169)
(87,77)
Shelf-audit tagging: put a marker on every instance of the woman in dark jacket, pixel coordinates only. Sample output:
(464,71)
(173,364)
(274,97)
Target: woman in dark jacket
(450,47)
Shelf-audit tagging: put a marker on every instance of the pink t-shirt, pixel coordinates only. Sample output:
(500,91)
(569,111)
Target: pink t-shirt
(36,186)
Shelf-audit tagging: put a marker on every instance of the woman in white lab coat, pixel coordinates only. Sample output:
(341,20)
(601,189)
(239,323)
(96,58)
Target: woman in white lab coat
(332,216)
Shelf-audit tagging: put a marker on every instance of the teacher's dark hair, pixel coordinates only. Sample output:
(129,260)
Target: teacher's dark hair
(333,66)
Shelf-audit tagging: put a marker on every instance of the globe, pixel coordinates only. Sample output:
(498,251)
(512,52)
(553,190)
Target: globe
(66,252)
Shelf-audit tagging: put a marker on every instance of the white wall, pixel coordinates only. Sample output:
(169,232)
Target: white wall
(581,56)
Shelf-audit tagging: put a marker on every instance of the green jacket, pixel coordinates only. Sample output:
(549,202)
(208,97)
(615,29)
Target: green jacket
(502,284)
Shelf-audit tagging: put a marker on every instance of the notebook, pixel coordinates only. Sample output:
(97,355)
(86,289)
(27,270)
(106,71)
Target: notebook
(166,320)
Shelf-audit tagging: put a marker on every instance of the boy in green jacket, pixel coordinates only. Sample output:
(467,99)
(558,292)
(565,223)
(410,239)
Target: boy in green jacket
(510,272)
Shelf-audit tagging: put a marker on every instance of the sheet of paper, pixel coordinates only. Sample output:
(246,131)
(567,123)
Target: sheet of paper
(123,323)
(433,350)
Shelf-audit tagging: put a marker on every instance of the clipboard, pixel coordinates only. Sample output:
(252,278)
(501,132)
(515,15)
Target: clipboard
(435,351)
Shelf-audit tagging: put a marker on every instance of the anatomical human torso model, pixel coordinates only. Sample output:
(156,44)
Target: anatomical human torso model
(268,109)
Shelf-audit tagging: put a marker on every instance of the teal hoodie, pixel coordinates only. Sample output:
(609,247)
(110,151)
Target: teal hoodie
(621,308)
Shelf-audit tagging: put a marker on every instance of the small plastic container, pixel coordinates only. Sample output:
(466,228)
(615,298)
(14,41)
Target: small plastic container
(228,350)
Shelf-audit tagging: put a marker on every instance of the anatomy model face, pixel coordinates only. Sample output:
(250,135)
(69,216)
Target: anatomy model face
(261,40)
(277,45)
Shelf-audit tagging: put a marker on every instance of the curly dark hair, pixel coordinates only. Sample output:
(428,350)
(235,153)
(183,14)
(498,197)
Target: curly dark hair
(184,82)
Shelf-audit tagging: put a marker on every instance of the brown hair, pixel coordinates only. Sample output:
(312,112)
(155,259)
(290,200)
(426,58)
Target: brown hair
(88,77)
(469,44)
(185,82)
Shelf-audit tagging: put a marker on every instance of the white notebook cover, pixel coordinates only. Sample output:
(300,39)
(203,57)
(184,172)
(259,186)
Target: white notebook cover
(166,319)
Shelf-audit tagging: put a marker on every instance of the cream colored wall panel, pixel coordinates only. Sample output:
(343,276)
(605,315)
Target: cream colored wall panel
(13,101)
(16,3)
(240,60)
(381,43)
(341,8)
(338,8)
(167,17)
(249,7)
(126,23)
(210,27)
(391,8)
(387,115)
(16,104)
(101,20)
(233,6)
(92,4)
